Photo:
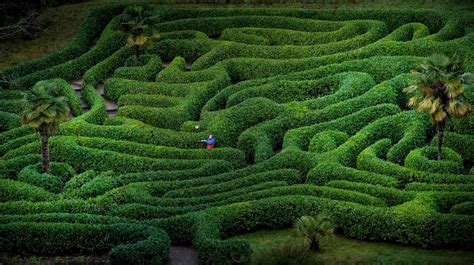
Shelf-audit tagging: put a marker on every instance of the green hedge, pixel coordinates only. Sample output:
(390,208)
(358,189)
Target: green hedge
(127,243)
(461,143)
(52,182)
(105,68)
(146,72)
(9,121)
(463,208)
(327,172)
(12,190)
(370,160)
(425,159)
(84,158)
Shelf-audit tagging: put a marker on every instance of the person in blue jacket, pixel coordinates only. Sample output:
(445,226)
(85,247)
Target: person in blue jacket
(211,141)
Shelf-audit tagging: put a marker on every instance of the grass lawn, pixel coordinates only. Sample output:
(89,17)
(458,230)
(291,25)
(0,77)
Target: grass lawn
(343,250)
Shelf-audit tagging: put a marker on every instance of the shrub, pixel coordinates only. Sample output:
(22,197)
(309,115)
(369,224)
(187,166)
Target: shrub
(137,244)
(52,182)
(424,159)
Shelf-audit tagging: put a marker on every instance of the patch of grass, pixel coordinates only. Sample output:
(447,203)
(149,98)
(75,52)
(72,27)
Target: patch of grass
(60,26)
(343,250)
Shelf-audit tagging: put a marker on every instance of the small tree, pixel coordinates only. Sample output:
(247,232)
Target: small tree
(140,27)
(438,90)
(313,229)
(44,112)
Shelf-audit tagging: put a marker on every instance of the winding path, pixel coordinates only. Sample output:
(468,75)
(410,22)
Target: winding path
(110,106)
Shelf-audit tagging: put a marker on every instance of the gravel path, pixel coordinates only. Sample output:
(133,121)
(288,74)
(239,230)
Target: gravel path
(181,255)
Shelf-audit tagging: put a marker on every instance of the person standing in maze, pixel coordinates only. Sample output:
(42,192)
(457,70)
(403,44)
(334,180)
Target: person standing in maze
(211,141)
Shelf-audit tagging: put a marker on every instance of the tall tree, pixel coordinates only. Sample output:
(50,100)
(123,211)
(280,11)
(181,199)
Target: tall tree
(140,26)
(44,112)
(439,90)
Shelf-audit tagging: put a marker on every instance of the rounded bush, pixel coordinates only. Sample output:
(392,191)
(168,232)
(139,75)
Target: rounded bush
(425,159)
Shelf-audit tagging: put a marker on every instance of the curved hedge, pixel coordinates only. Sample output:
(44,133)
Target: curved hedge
(309,114)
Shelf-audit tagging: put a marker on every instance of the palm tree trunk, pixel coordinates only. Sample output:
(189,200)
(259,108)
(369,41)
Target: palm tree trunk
(314,245)
(439,127)
(137,52)
(45,153)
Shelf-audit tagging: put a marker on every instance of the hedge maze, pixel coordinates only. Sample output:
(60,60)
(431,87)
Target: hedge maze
(309,114)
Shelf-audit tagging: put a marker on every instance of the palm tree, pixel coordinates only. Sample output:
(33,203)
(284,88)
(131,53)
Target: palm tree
(438,90)
(140,27)
(44,112)
(314,229)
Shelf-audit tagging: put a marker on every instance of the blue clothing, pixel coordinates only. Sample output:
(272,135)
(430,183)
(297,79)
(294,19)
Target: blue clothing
(211,141)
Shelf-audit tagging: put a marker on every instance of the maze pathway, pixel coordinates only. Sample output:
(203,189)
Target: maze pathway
(111,107)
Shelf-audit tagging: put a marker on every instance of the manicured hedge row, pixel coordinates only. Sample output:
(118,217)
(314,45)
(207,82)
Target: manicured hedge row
(228,124)
(175,73)
(139,194)
(289,175)
(253,68)
(280,36)
(425,159)
(408,32)
(375,31)
(327,141)
(168,118)
(9,149)
(391,196)
(406,128)
(403,223)
(146,72)
(13,106)
(327,172)
(349,124)
(85,158)
(370,160)
(214,22)
(189,49)
(11,190)
(461,143)
(149,100)
(375,67)
(463,208)
(15,133)
(116,87)
(59,206)
(52,182)
(316,94)
(132,130)
(128,243)
(234,156)
(89,29)
(11,167)
(11,94)
(418,186)
(213,250)
(435,20)
(446,200)
(64,218)
(105,68)
(8,121)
